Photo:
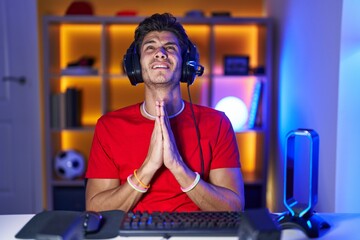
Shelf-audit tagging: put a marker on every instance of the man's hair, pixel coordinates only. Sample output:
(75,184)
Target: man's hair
(161,22)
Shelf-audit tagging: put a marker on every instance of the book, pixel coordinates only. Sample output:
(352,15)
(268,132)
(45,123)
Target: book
(254,107)
(58,110)
(72,100)
(54,110)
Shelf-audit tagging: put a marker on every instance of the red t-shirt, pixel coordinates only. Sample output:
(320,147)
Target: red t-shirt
(121,142)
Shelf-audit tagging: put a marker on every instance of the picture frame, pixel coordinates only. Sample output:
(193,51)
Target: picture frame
(236,65)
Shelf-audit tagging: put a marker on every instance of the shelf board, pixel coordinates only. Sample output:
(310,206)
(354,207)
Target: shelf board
(251,178)
(254,130)
(118,75)
(59,75)
(238,76)
(91,128)
(75,129)
(69,183)
(138,19)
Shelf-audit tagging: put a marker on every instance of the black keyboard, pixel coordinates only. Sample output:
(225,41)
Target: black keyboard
(169,224)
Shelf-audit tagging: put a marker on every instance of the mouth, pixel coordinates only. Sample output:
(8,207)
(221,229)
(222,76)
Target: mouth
(160,66)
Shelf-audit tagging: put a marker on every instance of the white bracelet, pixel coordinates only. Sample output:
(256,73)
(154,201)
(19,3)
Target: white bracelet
(196,181)
(139,189)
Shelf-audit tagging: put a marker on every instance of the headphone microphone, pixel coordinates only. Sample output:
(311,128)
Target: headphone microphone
(199,69)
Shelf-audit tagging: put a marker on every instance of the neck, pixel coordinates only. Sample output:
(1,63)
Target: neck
(170,95)
(173,114)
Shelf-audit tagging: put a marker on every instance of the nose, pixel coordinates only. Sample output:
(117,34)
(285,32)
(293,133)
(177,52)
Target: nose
(161,53)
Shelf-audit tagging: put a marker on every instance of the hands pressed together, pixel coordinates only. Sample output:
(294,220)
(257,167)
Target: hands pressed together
(163,149)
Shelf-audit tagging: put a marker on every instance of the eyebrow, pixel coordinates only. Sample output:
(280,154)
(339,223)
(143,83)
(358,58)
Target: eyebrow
(153,41)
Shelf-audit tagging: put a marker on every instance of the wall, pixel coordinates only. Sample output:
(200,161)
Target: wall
(348,128)
(316,87)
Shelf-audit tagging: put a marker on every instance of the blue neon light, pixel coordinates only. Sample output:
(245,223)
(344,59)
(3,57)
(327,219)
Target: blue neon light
(289,200)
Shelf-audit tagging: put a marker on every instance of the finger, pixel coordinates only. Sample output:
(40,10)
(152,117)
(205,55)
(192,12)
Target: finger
(166,129)
(158,118)
(155,151)
(165,114)
(162,109)
(156,137)
(157,108)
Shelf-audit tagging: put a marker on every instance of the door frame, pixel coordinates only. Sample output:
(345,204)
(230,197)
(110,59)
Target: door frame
(20,21)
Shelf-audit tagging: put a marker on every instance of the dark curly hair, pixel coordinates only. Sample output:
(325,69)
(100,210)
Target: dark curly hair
(161,22)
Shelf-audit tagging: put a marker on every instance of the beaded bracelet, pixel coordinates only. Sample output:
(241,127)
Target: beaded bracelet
(139,181)
(196,181)
(137,188)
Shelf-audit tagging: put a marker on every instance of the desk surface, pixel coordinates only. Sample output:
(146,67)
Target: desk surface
(343,226)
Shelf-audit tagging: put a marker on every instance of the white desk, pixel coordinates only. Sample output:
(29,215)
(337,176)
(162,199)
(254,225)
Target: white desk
(343,226)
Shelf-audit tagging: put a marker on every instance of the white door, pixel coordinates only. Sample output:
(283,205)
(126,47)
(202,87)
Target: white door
(20,132)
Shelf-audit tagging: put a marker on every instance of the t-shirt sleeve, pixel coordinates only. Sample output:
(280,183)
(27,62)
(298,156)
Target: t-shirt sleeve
(226,152)
(100,163)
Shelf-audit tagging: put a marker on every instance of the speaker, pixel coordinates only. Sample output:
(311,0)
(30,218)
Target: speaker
(190,66)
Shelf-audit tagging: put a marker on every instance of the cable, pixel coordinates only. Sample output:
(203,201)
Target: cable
(197,133)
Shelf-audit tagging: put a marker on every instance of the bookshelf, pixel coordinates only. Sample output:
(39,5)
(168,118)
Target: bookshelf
(67,39)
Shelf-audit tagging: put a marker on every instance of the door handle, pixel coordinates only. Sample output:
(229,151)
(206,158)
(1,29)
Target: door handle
(21,80)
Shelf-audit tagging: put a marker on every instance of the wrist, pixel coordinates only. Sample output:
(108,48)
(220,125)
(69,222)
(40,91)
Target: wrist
(149,168)
(178,167)
(135,186)
(185,177)
(192,185)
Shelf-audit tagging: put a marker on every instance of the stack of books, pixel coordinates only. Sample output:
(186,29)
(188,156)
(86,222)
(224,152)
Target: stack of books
(66,109)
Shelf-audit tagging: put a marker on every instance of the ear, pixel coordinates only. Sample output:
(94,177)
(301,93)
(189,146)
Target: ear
(131,65)
(190,66)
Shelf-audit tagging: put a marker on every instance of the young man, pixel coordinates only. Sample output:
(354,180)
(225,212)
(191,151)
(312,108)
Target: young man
(163,154)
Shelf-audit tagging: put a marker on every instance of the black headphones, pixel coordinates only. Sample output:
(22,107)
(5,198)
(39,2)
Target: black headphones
(190,67)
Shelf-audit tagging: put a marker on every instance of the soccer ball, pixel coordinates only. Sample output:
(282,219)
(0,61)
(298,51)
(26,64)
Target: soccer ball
(69,164)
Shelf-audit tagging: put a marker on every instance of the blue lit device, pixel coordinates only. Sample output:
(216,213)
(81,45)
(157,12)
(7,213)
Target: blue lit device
(301,183)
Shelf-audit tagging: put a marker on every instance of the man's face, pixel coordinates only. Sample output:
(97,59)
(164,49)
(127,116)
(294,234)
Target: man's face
(160,58)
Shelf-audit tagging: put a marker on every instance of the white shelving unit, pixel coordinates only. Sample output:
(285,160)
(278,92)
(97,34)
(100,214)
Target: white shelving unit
(68,38)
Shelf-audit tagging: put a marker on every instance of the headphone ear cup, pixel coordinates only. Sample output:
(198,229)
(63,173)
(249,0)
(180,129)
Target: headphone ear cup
(131,65)
(188,71)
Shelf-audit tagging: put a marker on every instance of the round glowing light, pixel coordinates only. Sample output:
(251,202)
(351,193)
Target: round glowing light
(235,109)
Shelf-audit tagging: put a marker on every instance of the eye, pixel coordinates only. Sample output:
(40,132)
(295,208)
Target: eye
(171,48)
(149,47)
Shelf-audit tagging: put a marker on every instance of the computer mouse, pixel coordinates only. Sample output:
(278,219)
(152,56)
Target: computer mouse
(92,221)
